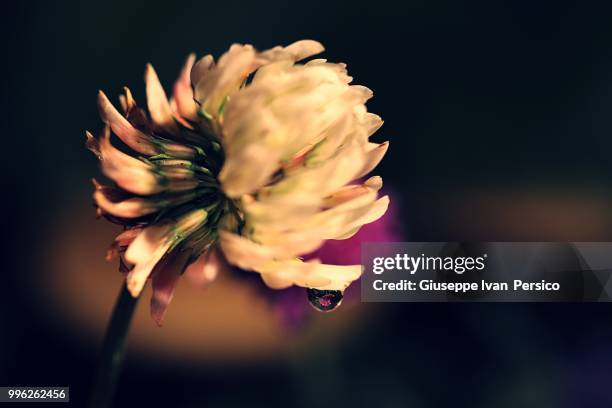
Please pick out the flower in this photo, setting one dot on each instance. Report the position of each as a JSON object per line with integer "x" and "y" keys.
{"x": 250, "y": 163}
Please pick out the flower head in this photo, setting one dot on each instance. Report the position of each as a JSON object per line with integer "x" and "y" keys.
{"x": 250, "y": 162}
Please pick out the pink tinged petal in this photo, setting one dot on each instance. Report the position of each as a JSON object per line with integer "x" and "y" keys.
{"x": 374, "y": 183}
{"x": 206, "y": 268}
{"x": 123, "y": 102}
{"x": 182, "y": 96}
{"x": 92, "y": 144}
{"x": 178, "y": 117}
{"x": 201, "y": 68}
{"x": 153, "y": 243}
{"x": 144, "y": 253}
{"x": 115, "y": 203}
{"x": 122, "y": 241}
{"x": 136, "y": 116}
{"x": 372, "y": 123}
{"x": 158, "y": 236}
{"x": 351, "y": 192}
{"x": 157, "y": 102}
{"x": 323, "y": 179}
{"x": 137, "y": 277}
{"x": 127, "y": 100}
{"x": 131, "y": 136}
{"x": 134, "y": 175}
{"x": 163, "y": 281}
{"x": 130, "y": 208}
{"x": 128, "y": 172}
{"x": 298, "y": 159}
{"x": 178, "y": 150}
{"x": 128, "y": 236}
{"x": 374, "y": 155}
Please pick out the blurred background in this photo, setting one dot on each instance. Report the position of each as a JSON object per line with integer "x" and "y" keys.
{"x": 499, "y": 120}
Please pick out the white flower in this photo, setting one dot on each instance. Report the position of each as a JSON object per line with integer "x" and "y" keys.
{"x": 253, "y": 156}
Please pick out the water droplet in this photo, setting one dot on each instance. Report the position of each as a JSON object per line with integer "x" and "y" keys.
{"x": 324, "y": 300}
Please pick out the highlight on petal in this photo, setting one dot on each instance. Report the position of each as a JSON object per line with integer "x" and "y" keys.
{"x": 201, "y": 68}
{"x": 374, "y": 155}
{"x": 122, "y": 241}
{"x": 91, "y": 143}
{"x": 157, "y": 102}
{"x": 129, "y": 173}
{"x": 350, "y": 192}
{"x": 312, "y": 274}
{"x": 224, "y": 79}
{"x": 295, "y": 52}
{"x": 120, "y": 206}
{"x": 250, "y": 169}
{"x": 182, "y": 103}
{"x": 131, "y": 136}
{"x": 304, "y": 49}
{"x": 144, "y": 262}
{"x": 244, "y": 253}
{"x": 154, "y": 242}
{"x": 206, "y": 268}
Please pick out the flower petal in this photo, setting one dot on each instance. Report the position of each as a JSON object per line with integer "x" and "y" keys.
{"x": 304, "y": 49}
{"x": 244, "y": 253}
{"x": 138, "y": 276}
{"x": 375, "y": 212}
{"x": 157, "y": 102}
{"x": 182, "y": 97}
{"x": 295, "y": 52}
{"x": 224, "y": 79}
{"x": 147, "y": 242}
{"x": 131, "y": 136}
{"x": 351, "y": 192}
{"x": 201, "y": 68}
{"x": 206, "y": 268}
{"x": 91, "y": 143}
{"x": 247, "y": 170}
{"x": 154, "y": 242}
{"x": 312, "y": 274}
{"x": 126, "y": 208}
{"x": 128, "y": 172}
{"x": 122, "y": 241}
{"x": 163, "y": 281}
{"x": 374, "y": 154}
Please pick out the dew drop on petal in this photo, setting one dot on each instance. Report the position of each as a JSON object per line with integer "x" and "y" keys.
{"x": 324, "y": 300}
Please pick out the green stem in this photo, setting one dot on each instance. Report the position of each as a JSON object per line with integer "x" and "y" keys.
{"x": 113, "y": 350}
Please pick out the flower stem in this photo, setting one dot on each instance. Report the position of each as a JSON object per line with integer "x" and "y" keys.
{"x": 113, "y": 350}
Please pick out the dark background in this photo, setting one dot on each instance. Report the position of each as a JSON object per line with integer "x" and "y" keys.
{"x": 499, "y": 120}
